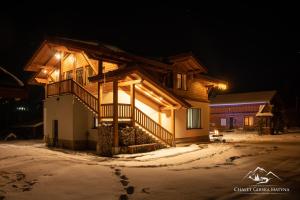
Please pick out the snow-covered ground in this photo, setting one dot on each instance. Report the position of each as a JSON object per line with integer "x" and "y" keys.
{"x": 29, "y": 170}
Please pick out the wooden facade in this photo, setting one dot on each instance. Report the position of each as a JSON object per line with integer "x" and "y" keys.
{"x": 118, "y": 87}
{"x": 246, "y": 111}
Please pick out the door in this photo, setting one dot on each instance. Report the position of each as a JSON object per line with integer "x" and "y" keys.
{"x": 79, "y": 75}
{"x": 55, "y": 132}
{"x": 230, "y": 122}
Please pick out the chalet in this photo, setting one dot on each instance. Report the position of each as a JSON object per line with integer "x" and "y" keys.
{"x": 101, "y": 97}
{"x": 246, "y": 111}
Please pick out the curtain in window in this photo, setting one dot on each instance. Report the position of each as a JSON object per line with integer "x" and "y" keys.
{"x": 194, "y": 118}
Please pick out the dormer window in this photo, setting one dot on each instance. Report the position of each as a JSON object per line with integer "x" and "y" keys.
{"x": 181, "y": 81}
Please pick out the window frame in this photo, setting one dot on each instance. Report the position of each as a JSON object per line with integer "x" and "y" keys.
{"x": 179, "y": 77}
{"x": 184, "y": 81}
{"x": 247, "y": 119}
{"x": 187, "y": 119}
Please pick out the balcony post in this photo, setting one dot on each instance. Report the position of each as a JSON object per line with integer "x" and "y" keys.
{"x": 132, "y": 103}
{"x": 100, "y": 66}
{"x": 115, "y": 117}
{"x": 173, "y": 125}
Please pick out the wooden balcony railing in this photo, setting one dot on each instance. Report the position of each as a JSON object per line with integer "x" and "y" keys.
{"x": 124, "y": 111}
{"x": 70, "y": 86}
{"x": 153, "y": 127}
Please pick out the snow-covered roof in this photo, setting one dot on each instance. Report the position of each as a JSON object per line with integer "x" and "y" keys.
{"x": 249, "y": 97}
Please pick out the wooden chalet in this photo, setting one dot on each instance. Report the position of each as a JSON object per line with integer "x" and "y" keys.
{"x": 92, "y": 88}
{"x": 245, "y": 111}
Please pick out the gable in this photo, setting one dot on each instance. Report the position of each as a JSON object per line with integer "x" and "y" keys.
{"x": 187, "y": 63}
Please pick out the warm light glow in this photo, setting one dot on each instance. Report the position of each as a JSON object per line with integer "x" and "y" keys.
{"x": 56, "y": 73}
{"x": 71, "y": 58}
{"x": 222, "y": 86}
{"x": 216, "y": 131}
{"x": 44, "y": 71}
{"x": 57, "y": 56}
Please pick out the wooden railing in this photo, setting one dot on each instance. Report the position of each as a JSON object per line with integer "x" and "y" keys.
{"x": 124, "y": 111}
{"x": 153, "y": 127}
{"x": 70, "y": 86}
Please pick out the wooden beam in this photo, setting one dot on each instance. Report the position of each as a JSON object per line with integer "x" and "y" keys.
{"x": 173, "y": 122}
{"x": 89, "y": 62}
{"x": 59, "y": 74}
{"x": 115, "y": 113}
{"x": 100, "y": 89}
{"x": 169, "y": 108}
{"x": 132, "y": 103}
{"x": 126, "y": 83}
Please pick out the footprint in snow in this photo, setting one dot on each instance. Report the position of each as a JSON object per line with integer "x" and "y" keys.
{"x": 124, "y": 181}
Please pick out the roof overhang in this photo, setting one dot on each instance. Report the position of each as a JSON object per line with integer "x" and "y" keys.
{"x": 147, "y": 84}
{"x": 189, "y": 62}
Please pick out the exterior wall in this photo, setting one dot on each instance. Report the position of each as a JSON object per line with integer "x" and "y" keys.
{"x": 195, "y": 90}
{"x": 74, "y": 121}
{"x": 237, "y": 112}
{"x": 181, "y": 120}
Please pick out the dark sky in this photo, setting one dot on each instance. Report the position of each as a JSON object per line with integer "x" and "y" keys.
{"x": 252, "y": 46}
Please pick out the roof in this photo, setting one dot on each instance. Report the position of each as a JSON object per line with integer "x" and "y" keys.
{"x": 11, "y": 86}
{"x": 189, "y": 61}
{"x": 94, "y": 49}
{"x": 249, "y": 97}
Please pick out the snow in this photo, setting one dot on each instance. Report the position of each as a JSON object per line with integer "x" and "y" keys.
{"x": 29, "y": 170}
{"x": 239, "y": 136}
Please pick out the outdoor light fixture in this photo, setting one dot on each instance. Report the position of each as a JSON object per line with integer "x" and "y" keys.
{"x": 222, "y": 86}
{"x": 57, "y": 56}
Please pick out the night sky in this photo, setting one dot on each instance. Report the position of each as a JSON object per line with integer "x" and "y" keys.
{"x": 252, "y": 46}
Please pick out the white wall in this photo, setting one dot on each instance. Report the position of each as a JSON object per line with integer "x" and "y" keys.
{"x": 74, "y": 118}
{"x": 61, "y": 109}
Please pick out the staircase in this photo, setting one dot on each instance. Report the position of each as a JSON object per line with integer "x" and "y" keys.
{"x": 140, "y": 119}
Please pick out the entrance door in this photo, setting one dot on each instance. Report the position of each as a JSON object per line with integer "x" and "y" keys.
{"x": 55, "y": 132}
{"x": 230, "y": 122}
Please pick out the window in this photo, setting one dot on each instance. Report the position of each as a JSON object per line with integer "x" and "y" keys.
{"x": 69, "y": 74}
{"x": 89, "y": 73}
{"x": 223, "y": 122}
{"x": 179, "y": 81}
{"x": 79, "y": 75}
{"x": 182, "y": 81}
{"x": 184, "y": 86}
{"x": 248, "y": 121}
{"x": 193, "y": 118}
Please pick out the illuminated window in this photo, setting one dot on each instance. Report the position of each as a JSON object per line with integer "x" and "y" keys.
{"x": 248, "y": 120}
{"x": 223, "y": 122}
{"x": 193, "y": 118}
{"x": 89, "y": 73}
{"x": 69, "y": 74}
{"x": 184, "y": 85}
{"x": 79, "y": 75}
{"x": 179, "y": 81}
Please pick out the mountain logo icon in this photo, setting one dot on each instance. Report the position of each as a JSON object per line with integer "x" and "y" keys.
{"x": 261, "y": 176}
